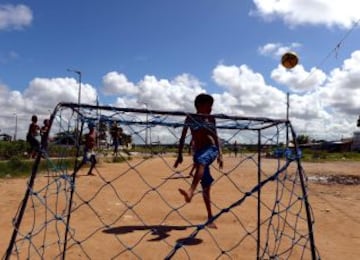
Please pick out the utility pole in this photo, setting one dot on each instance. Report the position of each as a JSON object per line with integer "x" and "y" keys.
{"x": 78, "y": 72}
{"x": 16, "y": 126}
{"x": 146, "y": 129}
{"x": 287, "y": 118}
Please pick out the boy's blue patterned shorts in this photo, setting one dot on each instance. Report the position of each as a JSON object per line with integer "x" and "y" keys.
{"x": 205, "y": 157}
{"x": 89, "y": 155}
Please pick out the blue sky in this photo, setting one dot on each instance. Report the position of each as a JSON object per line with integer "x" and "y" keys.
{"x": 163, "y": 53}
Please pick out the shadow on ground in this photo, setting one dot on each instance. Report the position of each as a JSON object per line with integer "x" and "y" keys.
{"x": 159, "y": 231}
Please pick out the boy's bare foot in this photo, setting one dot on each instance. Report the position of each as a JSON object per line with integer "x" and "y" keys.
{"x": 91, "y": 174}
{"x": 212, "y": 225}
{"x": 186, "y": 195}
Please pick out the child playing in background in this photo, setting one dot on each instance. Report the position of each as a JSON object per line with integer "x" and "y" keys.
{"x": 33, "y": 136}
{"x": 89, "y": 153}
{"x": 44, "y": 132}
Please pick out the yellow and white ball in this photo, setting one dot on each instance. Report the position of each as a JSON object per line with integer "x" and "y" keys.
{"x": 289, "y": 60}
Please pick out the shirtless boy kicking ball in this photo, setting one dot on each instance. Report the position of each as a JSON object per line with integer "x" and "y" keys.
{"x": 206, "y": 149}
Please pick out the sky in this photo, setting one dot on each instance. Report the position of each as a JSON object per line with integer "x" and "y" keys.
{"x": 160, "y": 54}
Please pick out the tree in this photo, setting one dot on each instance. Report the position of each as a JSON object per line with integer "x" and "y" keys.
{"x": 66, "y": 137}
{"x": 102, "y": 128}
{"x": 302, "y": 139}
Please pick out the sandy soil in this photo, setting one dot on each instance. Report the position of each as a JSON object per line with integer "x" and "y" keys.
{"x": 134, "y": 210}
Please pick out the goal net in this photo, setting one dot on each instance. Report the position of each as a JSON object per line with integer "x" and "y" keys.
{"x": 131, "y": 206}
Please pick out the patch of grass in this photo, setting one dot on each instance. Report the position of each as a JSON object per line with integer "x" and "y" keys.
{"x": 18, "y": 167}
{"x": 15, "y": 167}
{"x": 120, "y": 159}
{"x": 116, "y": 159}
{"x": 323, "y": 156}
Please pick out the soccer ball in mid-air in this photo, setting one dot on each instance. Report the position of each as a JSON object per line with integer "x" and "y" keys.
{"x": 289, "y": 60}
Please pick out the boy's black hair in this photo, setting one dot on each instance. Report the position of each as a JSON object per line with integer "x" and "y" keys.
{"x": 34, "y": 118}
{"x": 203, "y": 99}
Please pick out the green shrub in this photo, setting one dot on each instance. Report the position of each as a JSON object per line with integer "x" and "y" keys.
{"x": 10, "y": 149}
{"x": 318, "y": 155}
{"x": 119, "y": 159}
{"x": 18, "y": 167}
{"x": 15, "y": 167}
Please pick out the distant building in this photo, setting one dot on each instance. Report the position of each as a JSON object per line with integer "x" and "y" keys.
{"x": 356, "y": 141}
{"x": 344, "y": 145}
{"x": 5, "y": 137}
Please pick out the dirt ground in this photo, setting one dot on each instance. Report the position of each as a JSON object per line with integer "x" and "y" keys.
{"x": 133, "y": 210}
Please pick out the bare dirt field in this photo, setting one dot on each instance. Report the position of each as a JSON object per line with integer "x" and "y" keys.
{"x": 133, "y": 210}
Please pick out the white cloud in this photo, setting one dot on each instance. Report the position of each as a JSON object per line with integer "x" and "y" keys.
{"x": 3, "y": 89}
{"x": 43, "y": 94}
{"x": 40, "y": 98}
{"x": 297, "y": 79}
{"x": 276, "y": 50}
{"x": 247, "y": 94}
{"x": 253, "y": 95}
{"x": 8, "y": 57}
{"x": 153, "y": 93}
{"x": 307, "y": 107}
{"x": 342, "y": 92}
{"x": 341, "y": 13}
{"x": 128, "y": 102}
{"x": 117, "y": 84}
{"x": 322, "y": 105}
{"x": 15, "y": 16}
{"x": 330, "y": 111}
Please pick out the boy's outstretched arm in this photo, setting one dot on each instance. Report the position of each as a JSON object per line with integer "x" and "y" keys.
{"x": 181, "y": 146}
{"x": 217, "y": 143}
